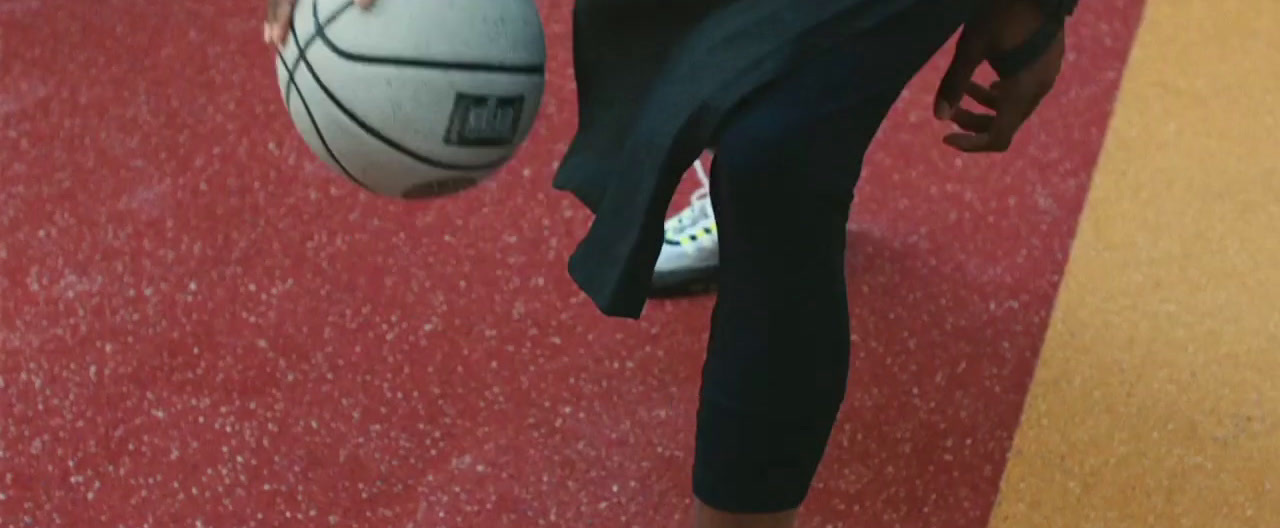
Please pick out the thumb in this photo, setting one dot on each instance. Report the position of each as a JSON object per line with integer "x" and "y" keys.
{"x": 968, "y": 57}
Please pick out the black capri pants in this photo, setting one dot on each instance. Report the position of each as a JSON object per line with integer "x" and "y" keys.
{"x": 781, "y": 184}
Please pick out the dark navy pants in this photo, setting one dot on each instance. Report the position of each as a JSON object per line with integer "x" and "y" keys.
{"x": 781, "y": 184}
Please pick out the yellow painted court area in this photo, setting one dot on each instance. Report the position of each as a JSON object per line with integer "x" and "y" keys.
{"x": 1157, "y": 399}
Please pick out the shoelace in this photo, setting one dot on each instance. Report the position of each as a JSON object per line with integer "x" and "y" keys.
{"x": 699, "y": 204}
{"x": 699, "y": 209}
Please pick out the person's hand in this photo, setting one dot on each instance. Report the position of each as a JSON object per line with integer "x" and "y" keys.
{"x": 280, "y": 17}
{"x": 1003, "y": 27}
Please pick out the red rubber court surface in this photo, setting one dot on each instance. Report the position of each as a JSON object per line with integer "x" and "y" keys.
{"x": 200, "y": 325}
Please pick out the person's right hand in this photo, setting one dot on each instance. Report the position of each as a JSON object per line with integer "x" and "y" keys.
{"x": 1003, "y": 26}
{"x": 280, "y": 16}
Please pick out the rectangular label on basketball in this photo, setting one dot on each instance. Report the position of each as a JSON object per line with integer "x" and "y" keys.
{"x": 484, "y": 120}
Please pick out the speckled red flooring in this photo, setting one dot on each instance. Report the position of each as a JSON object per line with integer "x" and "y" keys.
{"x": 202, "y": 326}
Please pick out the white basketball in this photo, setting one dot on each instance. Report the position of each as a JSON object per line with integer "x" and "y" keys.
{"x": 414, "y": 98}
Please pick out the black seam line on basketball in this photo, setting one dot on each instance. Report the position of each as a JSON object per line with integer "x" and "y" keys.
{"x": 390, "y": 142}
{"x": 293, "y": 30}
{"x": 528, "y": 69}
{"x": 293, "y": 85}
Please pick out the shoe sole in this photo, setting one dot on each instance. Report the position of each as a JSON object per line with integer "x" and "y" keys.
{"x": 683, "y": 282}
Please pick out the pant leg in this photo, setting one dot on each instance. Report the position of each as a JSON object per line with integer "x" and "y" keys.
{"x": 782, "y": 183}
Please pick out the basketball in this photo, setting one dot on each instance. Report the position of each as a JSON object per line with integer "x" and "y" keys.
{"x": 414, "y": 98}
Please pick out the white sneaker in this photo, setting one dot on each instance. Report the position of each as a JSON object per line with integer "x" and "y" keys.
{"x": 690, "y": 249}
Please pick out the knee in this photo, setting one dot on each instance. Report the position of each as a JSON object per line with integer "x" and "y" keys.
{"x": 779, "y": 389}
{"x": 757, "y": 142}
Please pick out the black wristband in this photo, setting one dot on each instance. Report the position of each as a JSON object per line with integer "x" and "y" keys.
{"x": 1012, "y": 62}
